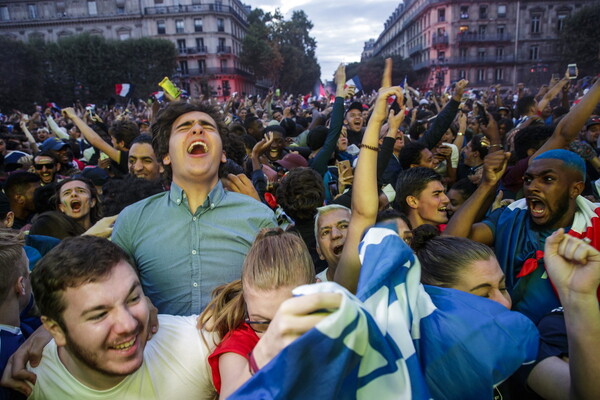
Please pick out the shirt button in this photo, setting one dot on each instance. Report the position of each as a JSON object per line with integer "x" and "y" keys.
{"x": 194, "y": 218}
{"x": 178, "y": 201}
{"x": 212, "y": 205}
{"x": 195, "y": 284}
{"x": 193, "y": 251}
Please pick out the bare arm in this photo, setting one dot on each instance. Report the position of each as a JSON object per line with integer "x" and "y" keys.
{"x": 574, "y": 268}
{"x": 365, "y": 201}
{"x": 568, "y": 128}
{"x": 463, "y": 222}
{"x": 91, "y": 136}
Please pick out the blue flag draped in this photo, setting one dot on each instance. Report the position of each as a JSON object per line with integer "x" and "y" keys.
{"x": 397, "y": 339}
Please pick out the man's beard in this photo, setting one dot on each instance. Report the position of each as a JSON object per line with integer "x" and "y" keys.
{"x": 562, "y": 208}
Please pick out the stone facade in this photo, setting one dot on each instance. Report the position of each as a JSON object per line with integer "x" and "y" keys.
{"x": 207, "y": 34}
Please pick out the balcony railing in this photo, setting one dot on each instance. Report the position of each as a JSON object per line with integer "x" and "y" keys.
{"x": 195, "y": 9}
{"x": 223, "y": 49}
{"x": 415, "y": 49}
{"x": 471, "y": 37}
{"x": 195, "y": 50}
{"x": 439, "y": 40}
{"x": 505, "y": 59}
{"x": 191, "y": 72}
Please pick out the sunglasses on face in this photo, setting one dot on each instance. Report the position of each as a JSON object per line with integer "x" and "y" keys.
{"x": 40, "y": 167}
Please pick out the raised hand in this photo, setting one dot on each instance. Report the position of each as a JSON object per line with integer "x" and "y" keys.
{"x": 572, "y": 264}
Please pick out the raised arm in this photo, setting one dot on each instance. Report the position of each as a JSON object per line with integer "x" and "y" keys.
{"x": 574, "y": 268}
{"x": 91, "y": 136}
{"x": 464, "y": 222}
{"x": 365, "y": 201}
{"x": 568, "y": 128}
{"x": 444, "y": 119}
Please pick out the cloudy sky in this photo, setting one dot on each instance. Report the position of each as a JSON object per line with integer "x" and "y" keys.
{"x": 340, "y": 26}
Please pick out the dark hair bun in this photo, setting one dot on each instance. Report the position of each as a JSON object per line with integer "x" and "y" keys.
{"x": 423, "y": 234}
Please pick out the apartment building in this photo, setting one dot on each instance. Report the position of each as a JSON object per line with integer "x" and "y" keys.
{"x": 207, "y": 34}
{"x": 488, "y": 43}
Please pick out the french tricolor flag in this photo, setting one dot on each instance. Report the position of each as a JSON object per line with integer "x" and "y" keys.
{"x": 354, "y": 81}
{"x": 123, "y": 89}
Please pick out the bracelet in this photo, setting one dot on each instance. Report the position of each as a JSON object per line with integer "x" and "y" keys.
{"x": 496, "y": 145}
{"x": 252, "y": 365}
{"x": 366, "y": 146}
{"x": 459, "y": 134}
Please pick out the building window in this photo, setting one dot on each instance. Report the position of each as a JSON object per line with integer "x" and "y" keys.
{"x": 499, "y": 53}
{"x": 223, "y": 65}
{"x": 181, "y": 45}
{"x": 92, "y": 8}
{"x": 500, "y": 29}
{"x": 226, "y": 88}
{"x": 202, "y": 66}
{"x": 441, "y": 56}
{"x": 441, "y": 15}
{"x": 535, "y": 23}
{"x": 220, "y": 25}
{"x": 183, "y": 67}
{"x": 124, "y": 34}
{"x": 160, "y": 27}
{"x": 221, "y": 46}
{"x": 463, "y": 29}
{"x": 464, "y": 12}
{"x": 200, "y": 44}
{"x": 481, "y": 54}
{"x": 480, "y": 75}
{"x": 179, "y": 26}
{"x": 483, "y": 12}
{"x": 462, "y": 53}
{"x": 198, "y": 25}
{"x": 120, "y": 10}
{"x": 32, "y": 11}
{"x": 560, "y": 24}
{"x": 534, "y": 52}
{"x": 4, "y": 14}
{"x": 481, "y": 31}
{"x": 498, "y": 75}
{"x": 462, "y": 74}
{"x": 502, "y": 11}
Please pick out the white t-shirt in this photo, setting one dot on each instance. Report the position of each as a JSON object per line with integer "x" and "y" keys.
{"x": 175, "y": 367}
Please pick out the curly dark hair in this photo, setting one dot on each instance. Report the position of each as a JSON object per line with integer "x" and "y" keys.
{"x": 301, "y": 192}
{"x": 161, "y": 127}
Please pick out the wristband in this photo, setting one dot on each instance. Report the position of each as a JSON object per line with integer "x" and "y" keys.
{"x": 252, "y": 365}
{"x": 459, "y": 134}
{"x": 366, "y": 146}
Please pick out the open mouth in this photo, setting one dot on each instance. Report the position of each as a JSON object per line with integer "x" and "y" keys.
{"x": 337, "y": 250}
{"x": 537, "y": 208}
{"x": 197, "y": 148}
{"x": 442, "y": 209}
{"x": 76, "y": 205}
{"x": 125, "y": 345}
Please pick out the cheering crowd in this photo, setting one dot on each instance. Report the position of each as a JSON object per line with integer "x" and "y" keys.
{"x": 401, "y": 244}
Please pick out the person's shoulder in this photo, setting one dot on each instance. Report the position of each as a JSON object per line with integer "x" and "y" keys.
{"x": 247, "y": 202}
{"x": 140, "y": 206}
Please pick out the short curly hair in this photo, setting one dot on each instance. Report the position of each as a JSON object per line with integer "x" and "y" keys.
{"x": 300, "y": 193}
{"x": 161, "y": 127}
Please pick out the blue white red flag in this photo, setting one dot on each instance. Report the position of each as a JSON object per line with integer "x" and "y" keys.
{"x": 398, "y": 339}
{"x": 354, "y": 81}
{"x": 123, "y": 89}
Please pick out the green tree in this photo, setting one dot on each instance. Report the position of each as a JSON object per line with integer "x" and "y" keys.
{"x": 259, "y": 51}
{"x": 300, "y": 69}
{"x": 370, "y": 71}
{"x": 21, "y": 75}
{"x": 282, "y": 51}
{"x": 578, "y": 40}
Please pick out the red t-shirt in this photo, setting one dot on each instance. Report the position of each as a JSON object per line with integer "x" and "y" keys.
{"x": 239, "y": 341}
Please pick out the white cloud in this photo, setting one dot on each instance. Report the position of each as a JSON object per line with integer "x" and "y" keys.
{"x": 340, "y": 27}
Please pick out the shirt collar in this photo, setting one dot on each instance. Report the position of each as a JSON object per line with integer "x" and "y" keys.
{"x": 215, "y": 196}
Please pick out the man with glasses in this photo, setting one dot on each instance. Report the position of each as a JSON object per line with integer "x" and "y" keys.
{"x": 46, "y": 167}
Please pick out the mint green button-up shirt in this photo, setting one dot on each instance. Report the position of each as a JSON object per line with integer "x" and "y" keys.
{"x": 182, "y": 256}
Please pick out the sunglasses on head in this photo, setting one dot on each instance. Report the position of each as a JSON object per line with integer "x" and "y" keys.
{"x": 39, "y": 167}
